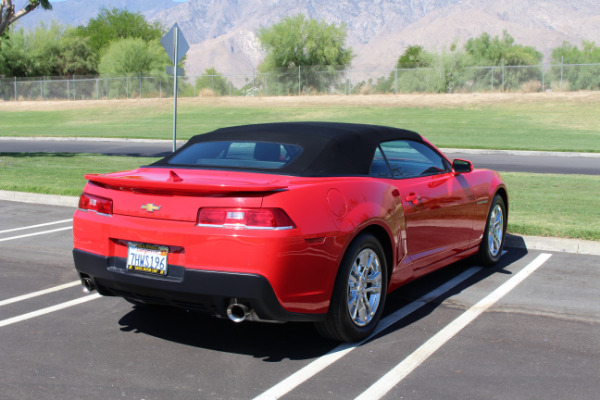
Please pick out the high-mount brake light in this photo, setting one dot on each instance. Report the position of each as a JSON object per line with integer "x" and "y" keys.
{"x": 248, "y": 218}
{"x": 99, "y": 204}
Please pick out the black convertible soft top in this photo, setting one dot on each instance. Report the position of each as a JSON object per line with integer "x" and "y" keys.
{"x": 328, "y": 148}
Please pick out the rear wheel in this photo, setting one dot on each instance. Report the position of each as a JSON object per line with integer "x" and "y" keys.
{"x": 359, "y": 292}
{"x": 492, "y": 244}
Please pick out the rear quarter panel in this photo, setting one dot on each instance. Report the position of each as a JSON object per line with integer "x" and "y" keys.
{"x": 339, "y": 209}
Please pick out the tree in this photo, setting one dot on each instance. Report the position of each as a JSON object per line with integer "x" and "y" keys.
{"x": 568, "y": 53}
{"x": 29, "y": 53}
{"x": 42, "y": 45}
{"x": 586, "y": 78}
{"x": 8, "y": 15}
{"x": 133, "y": 55}
{"x": 111, "y": 25}
{"x": 15, "y": 60}
{"x": 74, "y": 57}
{"x": 503, "y": 52}
{"x": 214, "y": 81}
{"x": 46, "y": 51}
{"x": 487, "y": 51}
{"x": 55, "y": 50}
{"x": 413, "y": 57}
{"x": 130, "y": 58}
{"x": 406, "y": 77}
{"x": 448, "y": 74}
{"x": 299, "y": 42}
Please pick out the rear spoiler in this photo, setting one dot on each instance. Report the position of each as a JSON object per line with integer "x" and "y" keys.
{"x": 161, "y": 180}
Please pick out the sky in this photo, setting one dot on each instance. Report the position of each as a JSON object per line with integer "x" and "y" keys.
{"x": 60, "y": 1}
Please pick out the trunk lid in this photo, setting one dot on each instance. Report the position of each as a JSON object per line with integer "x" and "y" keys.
{"x": 177, "y": 194}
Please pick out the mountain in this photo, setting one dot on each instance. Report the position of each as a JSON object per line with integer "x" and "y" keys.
{"x": 222, "y": 33}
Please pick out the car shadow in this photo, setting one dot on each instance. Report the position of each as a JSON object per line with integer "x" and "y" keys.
{"x": 270, "y": 342}
{"x": 294, "y": 341}
{"x": 418, "y": 288}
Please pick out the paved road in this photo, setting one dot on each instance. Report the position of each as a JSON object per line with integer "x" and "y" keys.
{"x": 158, "y": 148}
{"x": 539, "y": 340}
{"x": 537, "y": 162}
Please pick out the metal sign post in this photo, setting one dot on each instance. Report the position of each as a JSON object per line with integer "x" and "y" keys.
{"x": 175, "y": 90}
{"x": 176, "y": 46}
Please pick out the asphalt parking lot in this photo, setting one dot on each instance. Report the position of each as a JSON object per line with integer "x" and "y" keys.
{"x": 527, "y": 328}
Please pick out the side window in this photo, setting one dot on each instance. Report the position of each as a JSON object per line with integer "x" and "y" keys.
{"x": 379, "y": 166}
{"x": 409, "y": 159}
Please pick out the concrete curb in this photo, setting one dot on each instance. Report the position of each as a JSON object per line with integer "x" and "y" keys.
{"x": 35, "y": 198}
{"x": 575, "y": 246}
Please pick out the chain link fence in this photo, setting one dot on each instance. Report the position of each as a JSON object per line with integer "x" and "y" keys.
{"x": 310, "y": 81}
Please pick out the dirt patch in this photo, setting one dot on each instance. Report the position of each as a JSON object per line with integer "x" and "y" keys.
{"x": 401, "y": 100}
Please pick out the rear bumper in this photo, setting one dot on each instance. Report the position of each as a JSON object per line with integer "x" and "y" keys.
{"x": 207, "y": 291}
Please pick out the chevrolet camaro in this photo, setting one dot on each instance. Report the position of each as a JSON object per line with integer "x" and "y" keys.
{"x": 304, "y": 221}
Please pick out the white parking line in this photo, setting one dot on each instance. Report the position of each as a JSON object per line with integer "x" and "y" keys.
{"x": 340, "y": 351}
{"x": 36, "y": 226}
{"x": 48, "y": 310}
{"x": 410, "y": 363}
{"x": 35, "y": 234}
{"x": 39, "y": 293}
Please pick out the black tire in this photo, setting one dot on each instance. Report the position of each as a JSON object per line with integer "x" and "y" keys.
{"x": 351, "y": 321}
{"x": 494, "y": 234}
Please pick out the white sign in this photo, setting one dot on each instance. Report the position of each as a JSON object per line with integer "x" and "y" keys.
{"x": 175, "y": 44}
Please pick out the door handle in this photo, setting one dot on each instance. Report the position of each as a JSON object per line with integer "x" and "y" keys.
{"x": 413, "y": 198}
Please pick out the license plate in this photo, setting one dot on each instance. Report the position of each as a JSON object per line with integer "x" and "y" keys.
{"x": 147, "y": 258}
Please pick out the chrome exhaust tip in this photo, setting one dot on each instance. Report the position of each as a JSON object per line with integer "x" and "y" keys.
{"x": 87, "y": 285}
{"x": 237, "y": 312}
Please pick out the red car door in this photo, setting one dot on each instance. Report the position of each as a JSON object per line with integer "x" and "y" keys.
{"x": 439, "y": 212}
{"x": 439, "y": 205}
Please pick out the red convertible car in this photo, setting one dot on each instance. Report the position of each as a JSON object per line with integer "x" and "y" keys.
{"x": 307, "y": 221}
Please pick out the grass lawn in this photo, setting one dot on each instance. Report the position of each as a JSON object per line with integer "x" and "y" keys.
{"x": 554, "y": 205}
{"x": 551, "y": 122}
{"x": 540, "y": 204}
{"x": 58, "y": 173}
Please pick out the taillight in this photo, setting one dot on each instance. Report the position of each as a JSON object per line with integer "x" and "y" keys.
{"x": 250, "y": 218}
{"x": 99, "y": 204}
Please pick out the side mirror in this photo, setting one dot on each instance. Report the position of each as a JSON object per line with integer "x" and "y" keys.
{"x": 462, "y": 166}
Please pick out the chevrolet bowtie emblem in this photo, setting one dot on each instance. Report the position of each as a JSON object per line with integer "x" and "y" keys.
{"x": 150, "y": 207}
